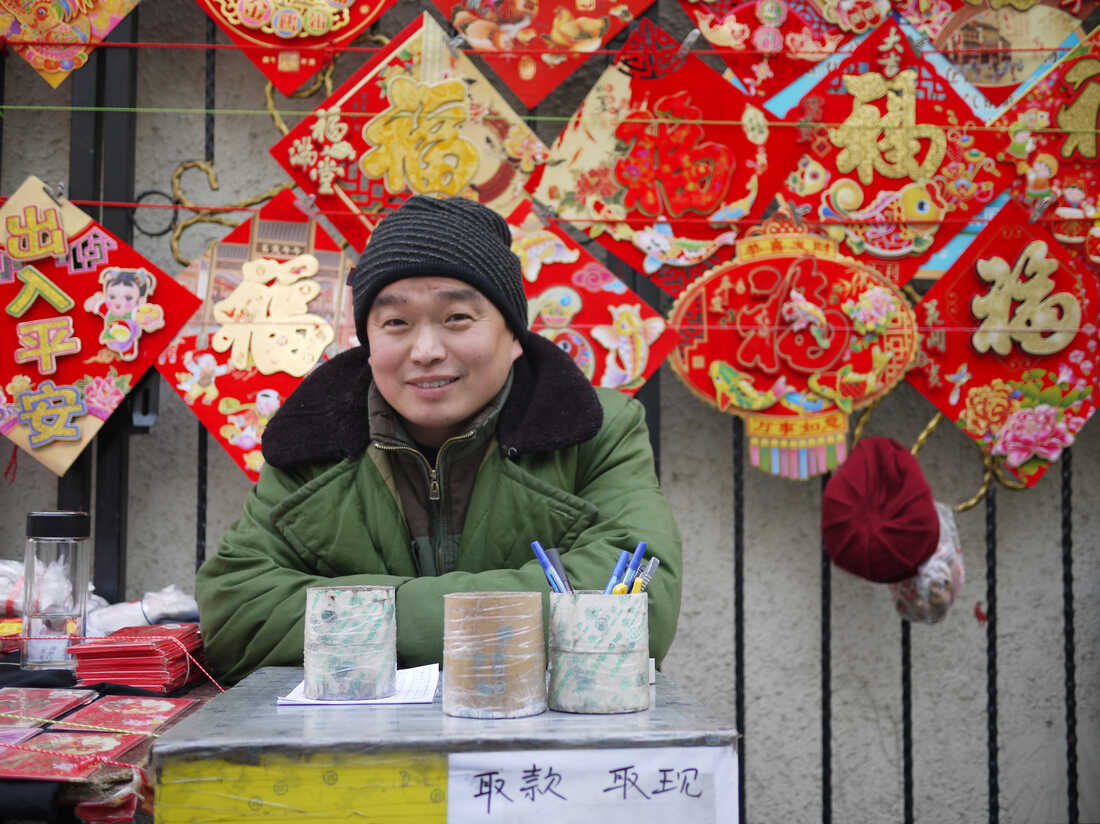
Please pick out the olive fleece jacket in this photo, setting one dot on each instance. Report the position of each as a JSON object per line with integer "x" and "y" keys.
{"x": 570, "y": 465}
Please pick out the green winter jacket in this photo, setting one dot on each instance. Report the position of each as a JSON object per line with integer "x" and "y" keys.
{"x": 571, "y": 466}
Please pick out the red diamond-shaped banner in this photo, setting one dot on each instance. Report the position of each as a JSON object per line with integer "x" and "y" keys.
{"x": 85, "y": 315}
{"x": 888, "y": 157}
{"x": 663, "y": 162}
{"x": 417, "y": 119}
{"x": 274, "y": 304}
{"x": 1010, "y": 344}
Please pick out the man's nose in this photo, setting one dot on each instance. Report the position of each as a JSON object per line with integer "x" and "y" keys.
{"x": 427, "y": 346}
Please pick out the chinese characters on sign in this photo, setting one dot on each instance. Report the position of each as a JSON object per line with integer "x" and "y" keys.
{"x": 1011, "y": 350}
{"x": 274, "y": 305}
{"x": 84, "y": 317}
{"x": 635, "y": 786}
{"x": 792, "y": 336}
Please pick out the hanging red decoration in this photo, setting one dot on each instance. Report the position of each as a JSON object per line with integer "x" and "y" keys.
{"x": 792, "y": 336}
{"x": 888, "y": 156}
{"x": 657, "y": 165}
{"x": 55, "y": 38}
{"x": 616, "y": 339}
{"x": 274, "y": 305}
{"x": 767, "y": 44}
{"x": 1010, "y": 345}
{"x": 85, "y": 315}
{"x": 417, "y": 119}
{"x": 1001, "y": 48}
{"x": 1049, "y": 142}
{"x": 534, "y": 46}
{"x": 292, "y": 40}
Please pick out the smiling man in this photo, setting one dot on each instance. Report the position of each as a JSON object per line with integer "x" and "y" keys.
{"x": 429, "y": 457}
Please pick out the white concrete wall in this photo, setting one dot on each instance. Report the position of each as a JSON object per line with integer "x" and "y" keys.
{"x": 782, "y": 540}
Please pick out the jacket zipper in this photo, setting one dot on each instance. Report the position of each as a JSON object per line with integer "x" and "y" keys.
{"x": 435, "y": 494}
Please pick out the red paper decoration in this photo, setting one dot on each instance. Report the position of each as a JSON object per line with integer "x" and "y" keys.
{"x": 534, "y": 46}
{"x": 768, "y": 44}
{"x": 292, "y": 40}
{"x": 889, "y": 157}
{"x": 274, "y": 304}
{"x": 998, "y": 47}
{"x": 85, "y": 315}
{"x": 792, "y": 336}
{"x": 1010, "y": 345}
{"x": 1049, "y": 142}
{"x": 662, "y": 163}
{"x": 418, "y": 118}
{"x": 616, "y": 339}
{"x": 57, "y": 37}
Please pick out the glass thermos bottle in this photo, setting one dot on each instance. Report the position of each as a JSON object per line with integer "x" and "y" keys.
{"x": 56, "y": 570}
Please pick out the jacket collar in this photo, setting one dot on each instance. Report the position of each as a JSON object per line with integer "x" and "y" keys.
{"x": 551, "y": 406}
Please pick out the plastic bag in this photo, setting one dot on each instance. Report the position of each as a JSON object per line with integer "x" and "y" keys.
{"x": 928, "y": 595}
{"x": 168, "y": 604}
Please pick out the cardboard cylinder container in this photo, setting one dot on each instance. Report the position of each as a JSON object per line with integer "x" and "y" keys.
{"x": 350, "y": 650}
{"x": 599, "y": 652}
{"x": 494, "y": 658}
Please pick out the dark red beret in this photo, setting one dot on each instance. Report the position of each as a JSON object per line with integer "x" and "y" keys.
{"x": 878, "y": 519}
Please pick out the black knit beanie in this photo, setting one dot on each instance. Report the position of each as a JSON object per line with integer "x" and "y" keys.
{"x": 456, "y": 238}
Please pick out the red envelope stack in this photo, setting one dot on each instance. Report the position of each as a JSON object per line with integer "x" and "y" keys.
{"x": 160, "y": 657}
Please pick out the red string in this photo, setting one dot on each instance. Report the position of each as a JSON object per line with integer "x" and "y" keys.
{"x": 745, "y": 221}
{"x": 329, "y": 49}
{"x": 13, "y": 465}
{"x": 114, "y": 637}
{"x": 82, "y": 758}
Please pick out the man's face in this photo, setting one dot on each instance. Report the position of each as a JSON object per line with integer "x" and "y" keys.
{"x": 439, "y": 351}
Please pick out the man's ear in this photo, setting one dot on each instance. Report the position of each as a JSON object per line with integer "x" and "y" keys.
{"x": 517, "y": 347}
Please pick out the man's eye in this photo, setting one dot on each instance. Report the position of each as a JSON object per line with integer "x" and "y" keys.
{"x": 458, "y": 317}
{"x": 391, "y": 323}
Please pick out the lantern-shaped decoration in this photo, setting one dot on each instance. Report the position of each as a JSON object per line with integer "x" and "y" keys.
{"x": 792, "y": 336}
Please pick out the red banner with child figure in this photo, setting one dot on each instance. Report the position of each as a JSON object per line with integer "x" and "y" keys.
{"x": 85, "y": 315}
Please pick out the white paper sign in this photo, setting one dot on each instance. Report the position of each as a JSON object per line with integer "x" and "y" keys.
{"x": 414, "y": 686}
{"x": 633, "y": 786}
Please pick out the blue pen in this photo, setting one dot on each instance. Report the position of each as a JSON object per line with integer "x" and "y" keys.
{"x": 635, "y": 562}
{"x": 548, "y": 568}
{"x": 620, "y": 567}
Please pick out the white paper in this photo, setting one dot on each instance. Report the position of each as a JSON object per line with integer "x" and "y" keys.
{"x": 414, "y": 686}
{"x": 642, "y": 785}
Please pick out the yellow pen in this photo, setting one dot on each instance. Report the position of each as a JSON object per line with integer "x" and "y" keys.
{"x": 619, "y": 589}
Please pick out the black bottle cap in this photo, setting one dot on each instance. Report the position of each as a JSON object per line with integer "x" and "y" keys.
{"x": 58, "y": 525}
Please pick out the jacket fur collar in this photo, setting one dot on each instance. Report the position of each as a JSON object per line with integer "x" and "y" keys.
{"x": 551, "y": 406}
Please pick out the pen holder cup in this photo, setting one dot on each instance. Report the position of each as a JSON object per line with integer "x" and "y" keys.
{"x": 350, "y": 649}
{"x": 494, "y": 656}
{"x": 599, "y": 652}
